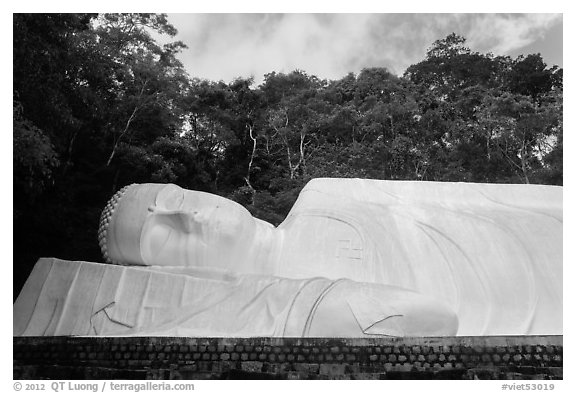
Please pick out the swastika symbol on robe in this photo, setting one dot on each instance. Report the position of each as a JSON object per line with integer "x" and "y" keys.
{"x": 346, "y": 250}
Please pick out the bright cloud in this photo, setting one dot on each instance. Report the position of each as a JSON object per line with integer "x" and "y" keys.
{"x": 225, "y": 46}
{"x": 504, "y": 33}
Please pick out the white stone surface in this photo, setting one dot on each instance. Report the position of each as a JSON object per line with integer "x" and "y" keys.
{"x": 90, "y": 299}
{"x": 489, "y": 253}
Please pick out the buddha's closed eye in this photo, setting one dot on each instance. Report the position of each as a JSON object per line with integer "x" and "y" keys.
{"x": 170, "y": 197}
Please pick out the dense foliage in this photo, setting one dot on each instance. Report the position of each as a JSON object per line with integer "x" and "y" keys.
{"x": 99, "y": 104}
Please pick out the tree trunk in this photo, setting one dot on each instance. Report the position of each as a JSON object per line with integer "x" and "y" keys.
{"x": 302, "y": 161}
{"x": 523, "y": 156}
{"x": 132, "y": 115}
{"x": 247, "y": 178}
{"x": 117, "y": 143}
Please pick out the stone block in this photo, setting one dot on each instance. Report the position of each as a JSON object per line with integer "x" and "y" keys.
{"x": 251, "y": 366}
{"x": 309, "y": 368}
{"x": 332, "y": 369}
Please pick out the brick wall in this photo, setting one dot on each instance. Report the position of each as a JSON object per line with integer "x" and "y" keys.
{"x": 506, "y": 357}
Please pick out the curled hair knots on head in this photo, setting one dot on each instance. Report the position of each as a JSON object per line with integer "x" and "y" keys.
{"x": 105, "y": 219}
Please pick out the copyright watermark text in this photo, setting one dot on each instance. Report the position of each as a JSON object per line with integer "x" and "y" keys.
{"x": 527, "y": 386}
{"x": 103, "y": 386}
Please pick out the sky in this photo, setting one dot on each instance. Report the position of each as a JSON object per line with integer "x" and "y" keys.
{"x": 226, "y": 46}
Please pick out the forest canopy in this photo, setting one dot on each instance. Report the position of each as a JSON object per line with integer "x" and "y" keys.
{"x": 99, "y": 104}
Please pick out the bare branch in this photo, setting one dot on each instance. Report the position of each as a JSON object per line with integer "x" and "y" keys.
{"x": 247, "y": 178}
{"x": 128, "y": 122}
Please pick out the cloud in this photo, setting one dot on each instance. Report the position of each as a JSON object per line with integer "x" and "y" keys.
{"x": 225, "y": 46}
{"x": 503, "y": 33}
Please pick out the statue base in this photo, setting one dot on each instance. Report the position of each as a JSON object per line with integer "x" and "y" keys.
{"x": 76, "y": 298}
{"x": 495, "y": 357}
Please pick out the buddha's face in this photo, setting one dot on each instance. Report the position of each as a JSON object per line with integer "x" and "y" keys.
{"x": 192, "y": 228}
{"x": 165, "y": 225}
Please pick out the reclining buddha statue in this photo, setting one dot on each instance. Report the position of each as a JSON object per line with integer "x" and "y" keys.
{"x": 354, "y": 258}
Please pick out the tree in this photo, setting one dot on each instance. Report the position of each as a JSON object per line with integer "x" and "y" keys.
{"x": 530, "y": 76}
{"x": 294, "y": 117}
{"x": 516, "y": 128}
{"x": 147, "y": 78}
{"x": 82, "y": 89}
{"x": 46, "y": 66}
{"x": 450, "y": 66}
{"x": 34, "y": 159}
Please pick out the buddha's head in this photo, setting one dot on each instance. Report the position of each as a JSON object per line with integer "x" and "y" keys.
{"x": 165, "y": 225}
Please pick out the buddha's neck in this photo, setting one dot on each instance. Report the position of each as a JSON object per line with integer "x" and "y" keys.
{"x": 264, "y": 251}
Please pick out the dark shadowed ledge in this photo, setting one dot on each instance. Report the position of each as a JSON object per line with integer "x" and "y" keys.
{"x": 493, "y": 357}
